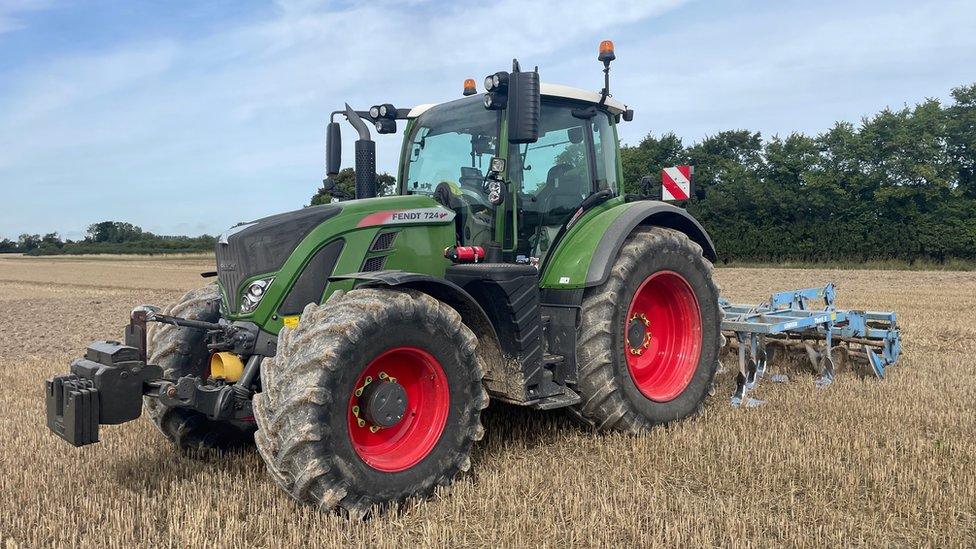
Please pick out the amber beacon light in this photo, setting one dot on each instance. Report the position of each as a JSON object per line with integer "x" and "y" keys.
{"x": 606, "y": 51}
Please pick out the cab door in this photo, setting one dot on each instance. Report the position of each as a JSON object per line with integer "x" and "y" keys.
{"x": 574, "y": 157}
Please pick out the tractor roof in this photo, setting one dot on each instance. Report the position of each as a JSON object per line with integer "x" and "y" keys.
{"x": 550, "y": 90}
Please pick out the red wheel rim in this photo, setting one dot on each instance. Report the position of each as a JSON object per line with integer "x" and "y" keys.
{"x": 405, "y": 444}
{"x": 662, "y": 336}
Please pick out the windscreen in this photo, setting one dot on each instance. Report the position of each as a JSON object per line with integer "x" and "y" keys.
{"x": 451, "y": 143}
{"x": 450, "y": 150}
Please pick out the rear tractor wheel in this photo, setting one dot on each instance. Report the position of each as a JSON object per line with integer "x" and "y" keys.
{"x": 650, "y": 335}
{"x": 375, "y": 397}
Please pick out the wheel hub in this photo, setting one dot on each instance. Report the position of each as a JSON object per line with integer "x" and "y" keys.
{"x": 383, "y": 403}
{"x": 638, "y": 334}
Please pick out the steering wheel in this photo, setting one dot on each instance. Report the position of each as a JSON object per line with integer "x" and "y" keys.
{"x": 447, "y": 194}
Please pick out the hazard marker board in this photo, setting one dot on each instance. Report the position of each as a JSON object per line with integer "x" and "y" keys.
{"x": 676, "y": 182}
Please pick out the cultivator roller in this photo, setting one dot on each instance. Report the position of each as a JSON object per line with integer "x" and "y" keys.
{"x": 806, "y": 320}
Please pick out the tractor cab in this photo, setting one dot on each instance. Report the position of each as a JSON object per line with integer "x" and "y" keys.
{"x": 447, "y": 154}
{"x": 514, "y": 164}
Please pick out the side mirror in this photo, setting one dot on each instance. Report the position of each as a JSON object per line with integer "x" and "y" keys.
{"x": 333, "y": 149}
{"x": 524, "y": 107}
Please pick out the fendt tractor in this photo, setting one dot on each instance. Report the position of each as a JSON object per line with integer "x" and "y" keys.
{"x": 357, "y": 343}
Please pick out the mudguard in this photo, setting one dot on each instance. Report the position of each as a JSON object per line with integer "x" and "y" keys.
{"x": 584, "y": 256}
{"x": 472, "y": 314}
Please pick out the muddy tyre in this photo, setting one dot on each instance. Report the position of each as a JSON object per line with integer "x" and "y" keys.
{"x": 182, "y": 352}
{"x": 375, "y": 397}
{"x": 650, "y": 335}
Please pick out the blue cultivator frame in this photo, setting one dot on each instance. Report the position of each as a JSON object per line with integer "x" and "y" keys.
{"x": 807, "y": 319}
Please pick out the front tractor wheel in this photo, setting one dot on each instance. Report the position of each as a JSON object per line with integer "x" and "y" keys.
{"x": 373, "y": 398}
{"x": 183, "y": 352}
{"x": 650, "y": 334}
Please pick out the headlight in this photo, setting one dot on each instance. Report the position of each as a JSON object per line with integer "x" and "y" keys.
{"x": 497, "y": 164}
{"x": 254, "y": 293}
{"x": 494, "y": 101}
{"x": 374, "y": 111}
{"x": 496, "y": 82}
{"x": 385, "y": 125}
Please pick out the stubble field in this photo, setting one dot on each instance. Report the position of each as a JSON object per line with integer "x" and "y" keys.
{"x": 861, "y": 463}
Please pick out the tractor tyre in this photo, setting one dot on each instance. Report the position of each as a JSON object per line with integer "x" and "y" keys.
{"x": 182, "y": 352}
{"x": 650, "y": 335}
{"x": 375, "y": 397}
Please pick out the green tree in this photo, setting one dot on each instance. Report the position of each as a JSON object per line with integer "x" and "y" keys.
{"x": 900, "y": 184}
{"x": 345, "y": 187}
{"x": 114, "y": 231}
{"x": 28, "y": 242}
{"x": 961, "y": 137}
{"x": 648, "y": 158}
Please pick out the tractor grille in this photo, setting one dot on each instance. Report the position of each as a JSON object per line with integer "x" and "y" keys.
{"x": 263, "y": 246}
{"x": 383, "y": 242}
{"x": 374, "y": 264}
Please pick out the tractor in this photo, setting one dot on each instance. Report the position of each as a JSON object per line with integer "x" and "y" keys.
{"x": 356, "y": 343}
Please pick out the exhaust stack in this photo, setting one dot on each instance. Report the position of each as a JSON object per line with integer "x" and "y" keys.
{"x": 365, "y": 157}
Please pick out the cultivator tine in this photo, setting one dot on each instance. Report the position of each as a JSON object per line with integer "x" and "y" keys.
{"x": 814, "y": 355}
{"x": 741, "y": 377}
{"x": 801, "y": 319}
{"x": 740, "y": 391}
{"x": 749, "y": 370}
{"x": 760, "y": 353}
{"x": 845, "y": 356}
{"x": 827, "y": 372}
{"x": 876, "y": 364}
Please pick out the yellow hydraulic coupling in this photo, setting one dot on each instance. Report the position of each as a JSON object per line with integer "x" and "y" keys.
{"x": 226, "y": 365}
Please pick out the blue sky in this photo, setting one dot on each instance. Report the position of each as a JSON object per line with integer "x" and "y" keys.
{"x": 187, "y": 117}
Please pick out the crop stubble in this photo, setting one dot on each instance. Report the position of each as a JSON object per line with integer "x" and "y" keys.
{"x": 862, "y": 463}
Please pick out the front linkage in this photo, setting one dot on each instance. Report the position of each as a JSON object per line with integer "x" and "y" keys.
{"x": 107, "y": 386}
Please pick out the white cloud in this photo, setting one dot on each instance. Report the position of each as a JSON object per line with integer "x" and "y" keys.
{"x": 784, "y": 68}
{"x": 11, "y": 11}
{"x": 230, "y": 125}
{"x": 241, "y": 112}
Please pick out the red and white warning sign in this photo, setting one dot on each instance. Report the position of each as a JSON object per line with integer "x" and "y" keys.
{"x": 676, "y": 182}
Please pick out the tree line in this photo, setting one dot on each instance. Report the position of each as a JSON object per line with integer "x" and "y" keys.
{"x": 108, "y": 237}
{"x": 899, "y": 185}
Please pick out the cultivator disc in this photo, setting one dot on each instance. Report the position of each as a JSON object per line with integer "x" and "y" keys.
{"x": 807, "y": 321}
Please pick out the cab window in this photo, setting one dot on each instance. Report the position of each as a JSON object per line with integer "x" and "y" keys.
{"x": 574, "y": 157}
{"x": 553, "y": 175}
{"x": 605, "y": 147}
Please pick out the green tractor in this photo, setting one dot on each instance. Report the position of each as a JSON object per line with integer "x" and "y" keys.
{"x": 357, "y": 343}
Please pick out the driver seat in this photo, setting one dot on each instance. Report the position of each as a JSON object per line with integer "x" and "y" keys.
{"x": 564, "y": 194}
